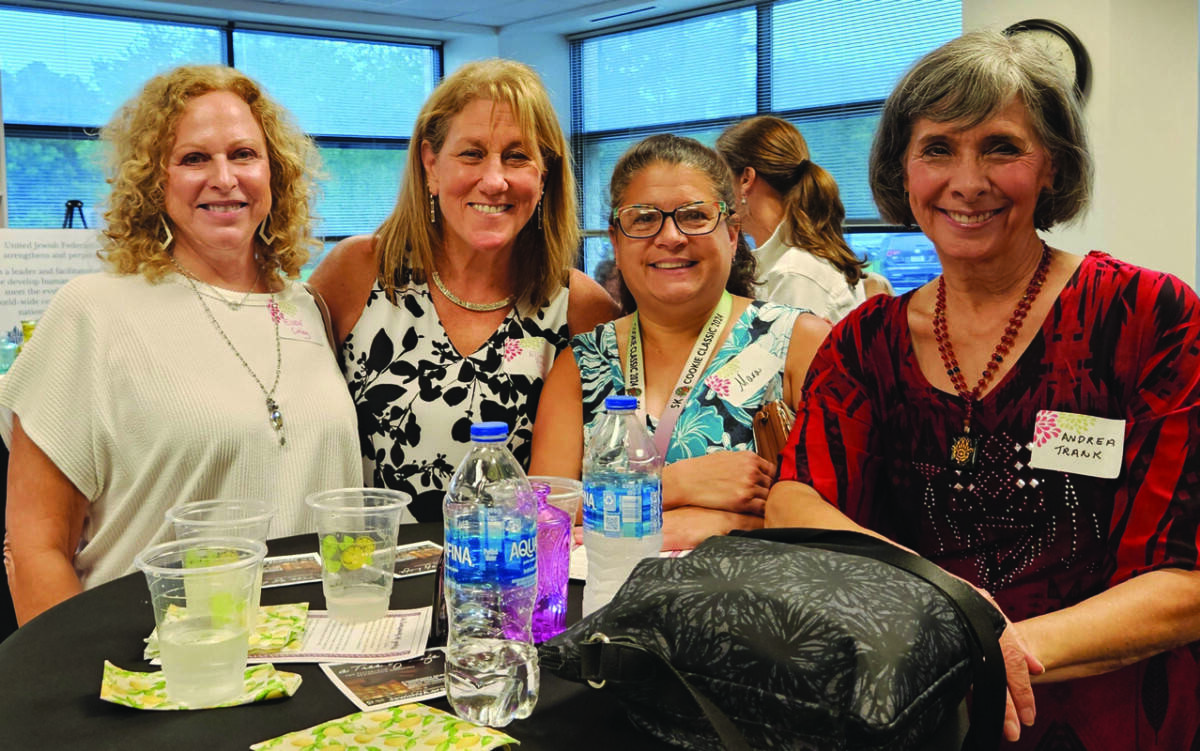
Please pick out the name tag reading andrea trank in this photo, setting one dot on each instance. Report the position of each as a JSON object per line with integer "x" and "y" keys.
{"x": 1080, "y": 444}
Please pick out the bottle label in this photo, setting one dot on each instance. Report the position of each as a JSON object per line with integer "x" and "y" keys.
{"x": 623, "y": 509}
{"x": 503, "y": 554}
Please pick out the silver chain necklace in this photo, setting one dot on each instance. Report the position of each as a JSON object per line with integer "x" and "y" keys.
{"x": 478, "y": 307}
{"x": 235, "y": 304}
{"x": 273, "y": 413}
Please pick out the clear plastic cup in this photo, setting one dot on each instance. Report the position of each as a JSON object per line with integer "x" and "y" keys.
{"x": 202, "y": 590}
{"x": 221, "y": 518}
{"x": 566, "y": 494}
{"x": 356, "y": 534}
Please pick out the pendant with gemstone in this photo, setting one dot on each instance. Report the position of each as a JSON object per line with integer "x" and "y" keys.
{"x": 276, "y": 418}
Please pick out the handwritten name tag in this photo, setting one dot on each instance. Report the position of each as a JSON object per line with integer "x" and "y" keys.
{"x": 531, "y": 356}
{"x": 292, "y": 324}
{"x": 1080, "y": 444}
{"x": 744, "y": 377}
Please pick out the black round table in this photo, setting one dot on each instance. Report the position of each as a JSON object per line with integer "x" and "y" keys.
{"x": 50, "y": 672}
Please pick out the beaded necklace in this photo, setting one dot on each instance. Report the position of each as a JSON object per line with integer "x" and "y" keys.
{"x": 964, "y": 448}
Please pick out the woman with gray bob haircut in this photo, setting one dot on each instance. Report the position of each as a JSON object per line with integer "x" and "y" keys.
{"x": 966, "y": 81}
{"x": 1051, "y": 403}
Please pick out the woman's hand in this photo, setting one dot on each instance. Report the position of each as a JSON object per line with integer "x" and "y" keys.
{"x": 736, "y": 481}
{"x": 686, "y": 527}
{"x": 1020, "y": 665}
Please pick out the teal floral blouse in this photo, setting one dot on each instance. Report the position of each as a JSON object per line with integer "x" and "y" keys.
{"x": 717, "y": 416}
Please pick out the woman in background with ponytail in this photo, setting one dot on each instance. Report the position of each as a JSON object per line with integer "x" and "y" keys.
{"x": 790, "y": 206}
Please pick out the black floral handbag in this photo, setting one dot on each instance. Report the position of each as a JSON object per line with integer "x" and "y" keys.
{"x": 795, "y": 639}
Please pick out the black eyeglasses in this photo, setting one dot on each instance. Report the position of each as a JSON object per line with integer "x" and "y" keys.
{"x": 639, "y": 221}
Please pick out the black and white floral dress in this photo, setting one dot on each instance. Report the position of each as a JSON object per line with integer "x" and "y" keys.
{"x": 416, "y": 395}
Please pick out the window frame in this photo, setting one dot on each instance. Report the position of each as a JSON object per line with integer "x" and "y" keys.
{"x": 228, "y": 28}
{"x": 582, "y": 140}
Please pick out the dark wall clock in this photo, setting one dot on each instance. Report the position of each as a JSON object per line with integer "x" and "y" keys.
{"x": 1062, "y": 45}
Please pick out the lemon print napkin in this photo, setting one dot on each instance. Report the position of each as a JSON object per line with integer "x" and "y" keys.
{"x": 149, "y": 690}
{"x": 279, "y": 628}
{"x": 411, "y": 726}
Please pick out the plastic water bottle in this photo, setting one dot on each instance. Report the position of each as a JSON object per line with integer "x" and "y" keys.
{"x": 622, "y": 499}
{"x": 490, "y": 583}
{"x": 554, "y": 562}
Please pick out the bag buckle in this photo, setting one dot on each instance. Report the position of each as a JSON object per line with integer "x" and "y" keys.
{"x": 595, "y": 638}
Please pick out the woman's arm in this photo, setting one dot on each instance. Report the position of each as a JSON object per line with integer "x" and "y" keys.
{"x": 807, "y": 336}
{"x": 1138, "y": 618}
{"x": 733, "y": 481}
{"x": 588, "y": 305}
{"x": 44, "y": 522}
{"x": 557, "y": 448}
{"x": 344, "y": 278}
{"x": 685, "y": 528}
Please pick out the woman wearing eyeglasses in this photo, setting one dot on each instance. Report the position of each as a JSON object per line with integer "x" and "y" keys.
{"x": 688, "y": 281}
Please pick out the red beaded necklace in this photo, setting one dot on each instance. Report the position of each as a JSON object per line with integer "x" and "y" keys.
{"x": 963, "y": 448}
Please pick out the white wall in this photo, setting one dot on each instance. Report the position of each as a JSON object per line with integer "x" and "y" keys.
{"x": 1142, "y": 118}
{"x": 550, "y": 55}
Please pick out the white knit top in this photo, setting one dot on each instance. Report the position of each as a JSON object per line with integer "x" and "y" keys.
{"x": 129, "y": 389}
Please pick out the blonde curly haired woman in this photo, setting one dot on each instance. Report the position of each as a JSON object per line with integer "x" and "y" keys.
{"x": 195, "y": 367}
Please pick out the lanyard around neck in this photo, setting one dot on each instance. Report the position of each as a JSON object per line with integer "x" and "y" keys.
{"x": 635, "y": 369}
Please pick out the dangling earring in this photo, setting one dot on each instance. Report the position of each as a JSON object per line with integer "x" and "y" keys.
{"x": 432, "y": 209}
{"x": 539, "y": 215}
{"x": 166, "y": 244}
{"x": 263, "y": 229}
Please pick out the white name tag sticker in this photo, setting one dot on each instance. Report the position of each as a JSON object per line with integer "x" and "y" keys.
{"x": 744, "y": 377}
{"x": 531, "y": 356}
{"x": 1080, "y": 444}
{"x": 292, "y": 325}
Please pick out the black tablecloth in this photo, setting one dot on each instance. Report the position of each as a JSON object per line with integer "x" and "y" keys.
{"x": 50, "y": 672}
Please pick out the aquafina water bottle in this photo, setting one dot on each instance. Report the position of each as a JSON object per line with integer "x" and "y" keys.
{"x": 490, "y": 583}
{"x": 622, "y": 499}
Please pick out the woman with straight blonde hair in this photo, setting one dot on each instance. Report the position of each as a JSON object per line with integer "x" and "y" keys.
{"x": 454, "y": 309}
{"x": 790, "y": 206}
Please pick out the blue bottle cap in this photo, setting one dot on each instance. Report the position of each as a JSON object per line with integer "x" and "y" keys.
{"x": 620, "y": 402}
{"x": 489, "y": 432}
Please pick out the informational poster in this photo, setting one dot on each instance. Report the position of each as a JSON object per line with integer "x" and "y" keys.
{"x": 34, "y": 263}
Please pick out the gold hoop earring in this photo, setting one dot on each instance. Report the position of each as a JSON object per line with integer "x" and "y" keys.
{"x": 432, "y": 209}
{"x": 165, "y": 244}
{"x": 263, "y": 229}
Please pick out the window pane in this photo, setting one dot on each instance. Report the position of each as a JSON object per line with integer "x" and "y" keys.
{"x": 595, "y": 250}
{"x": 600, "y": 155}
{"x": 341, "y": 87}
{"x": 360, "y": 187}
{"x": 67, "y": 69}
{"x": 907, "y": 259}
{"x": 825, "y": 53}
{"x": 841, "y": 143}
{"x": 698, "y": 69}
{"x": 44, "y": 173}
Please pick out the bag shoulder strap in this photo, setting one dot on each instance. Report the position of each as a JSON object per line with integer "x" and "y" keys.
{"x": 622, "y": 659}
{"x": 326, "y": 318}
{"x": 991, "y": 679}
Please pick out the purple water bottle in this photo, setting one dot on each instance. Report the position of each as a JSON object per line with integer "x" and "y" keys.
{"x": 554, "y": 558}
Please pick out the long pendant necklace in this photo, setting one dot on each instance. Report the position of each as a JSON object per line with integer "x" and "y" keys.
{"x": 478, "y": 307}
{"x": 274, "y": 415}
{"x": 964, "y": 448}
